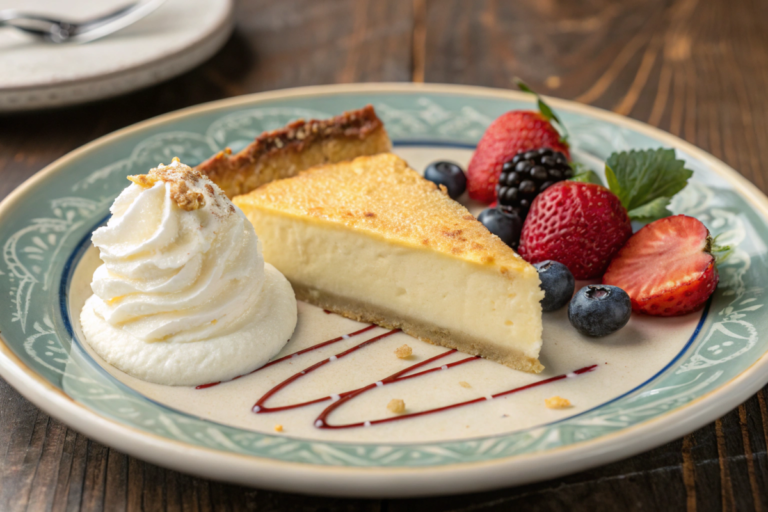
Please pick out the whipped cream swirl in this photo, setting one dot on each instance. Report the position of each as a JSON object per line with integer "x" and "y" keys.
{"x": 181, "y": 263}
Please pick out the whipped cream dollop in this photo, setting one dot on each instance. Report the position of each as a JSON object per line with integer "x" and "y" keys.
{"x": 184, "y": 285}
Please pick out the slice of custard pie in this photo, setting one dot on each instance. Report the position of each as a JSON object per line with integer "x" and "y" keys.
{"x": 372, "y": 240}
{"x": 298, "y": 146}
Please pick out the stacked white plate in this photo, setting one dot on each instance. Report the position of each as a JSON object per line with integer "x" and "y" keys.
{"x": 179, "y": 35}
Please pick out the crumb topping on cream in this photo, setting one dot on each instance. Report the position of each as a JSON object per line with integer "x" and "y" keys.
{"x": 188, "y": 189}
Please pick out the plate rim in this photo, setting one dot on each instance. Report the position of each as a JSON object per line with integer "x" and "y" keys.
{"x": 387, "y": 481}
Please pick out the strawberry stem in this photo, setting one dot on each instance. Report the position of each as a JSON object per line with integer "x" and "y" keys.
{"x": 721, "y": 252}
{"x": 545, "y": 110}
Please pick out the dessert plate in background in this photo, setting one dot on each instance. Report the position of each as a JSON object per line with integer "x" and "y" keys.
{"x": 651, "y": 382}
{"x": 179, "y": 35}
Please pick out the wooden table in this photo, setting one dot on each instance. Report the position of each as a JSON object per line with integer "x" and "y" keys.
{"x": 697, "y": 68}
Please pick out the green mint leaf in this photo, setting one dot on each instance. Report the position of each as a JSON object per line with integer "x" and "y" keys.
{"x": 545, "y": 109}
{"x": 656, "y": 209}
{"x": 588, "y": 176}
{"x": 613, "y": 183}
{"x": 639, "y": 177}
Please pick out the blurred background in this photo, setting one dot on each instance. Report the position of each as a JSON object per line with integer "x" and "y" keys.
{"x": 695, "y": 68}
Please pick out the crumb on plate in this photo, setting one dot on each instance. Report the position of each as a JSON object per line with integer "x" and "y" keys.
{"x": 396, "y": 406}
{"x": 278, "y": 428}
{"x": 464, "y": 384}
{"x": 557, "y": 402}
{"x": 403, "y": 352}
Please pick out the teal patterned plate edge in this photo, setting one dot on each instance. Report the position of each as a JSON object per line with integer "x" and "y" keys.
{"x": 44, "y": 221}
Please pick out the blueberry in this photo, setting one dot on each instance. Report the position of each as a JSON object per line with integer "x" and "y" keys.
{"x": 448, "y": 174}
{"x": 557, "y": 282}
{"x": 504, "y": 224}
{"x": 598, "y": 310}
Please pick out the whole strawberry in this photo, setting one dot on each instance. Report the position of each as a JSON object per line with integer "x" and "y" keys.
{"x": 667, "y": 267}
{"x": 581, "y": 225}
{"x": 510, "y": 133}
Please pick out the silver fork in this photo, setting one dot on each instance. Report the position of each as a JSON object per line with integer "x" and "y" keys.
{"x": 63, "y": 31}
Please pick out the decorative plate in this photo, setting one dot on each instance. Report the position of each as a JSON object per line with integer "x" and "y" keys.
{"x": 653, "y": 381}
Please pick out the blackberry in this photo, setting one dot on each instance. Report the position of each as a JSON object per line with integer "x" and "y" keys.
{"x": 527, "y": 175}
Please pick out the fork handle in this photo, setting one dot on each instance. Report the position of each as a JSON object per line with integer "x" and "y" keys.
{"x": 30, "y": 23}
{"x": 29, "y": 30}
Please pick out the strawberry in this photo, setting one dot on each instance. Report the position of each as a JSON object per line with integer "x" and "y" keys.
{"x": 517, "y": 130}
{"x": 667, "y": 267}
{"x": 581, "y": 225}
{"x": 510, "y": 133}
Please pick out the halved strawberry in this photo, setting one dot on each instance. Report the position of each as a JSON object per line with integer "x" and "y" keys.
{"x": 667, "y": 267}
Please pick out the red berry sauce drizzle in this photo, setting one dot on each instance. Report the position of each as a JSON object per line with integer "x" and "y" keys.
{"x": 337, "y": 400}
{"x": 295, "y": 354}
{"x": 321, "y": 421}
{"x": 260, "y": 408}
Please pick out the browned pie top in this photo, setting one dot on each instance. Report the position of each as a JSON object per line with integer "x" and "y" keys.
{"x": 355, "y": 124}
{"x": 381, "y": 195}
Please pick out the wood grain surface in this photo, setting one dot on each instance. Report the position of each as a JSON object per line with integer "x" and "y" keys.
{"x": 696, "y": 68}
